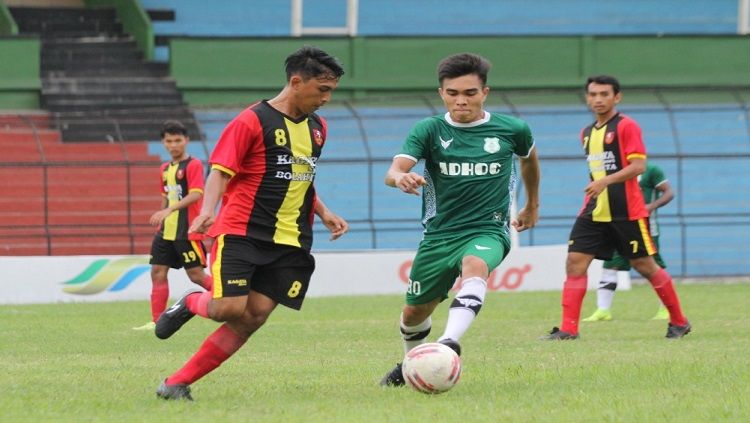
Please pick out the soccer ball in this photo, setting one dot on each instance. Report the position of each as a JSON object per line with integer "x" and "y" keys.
{"x": 431, "y": 368}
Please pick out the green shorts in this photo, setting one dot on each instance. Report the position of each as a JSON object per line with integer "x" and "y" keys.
{"x": 438, "y": 263}
{"x": 619, "y": 262}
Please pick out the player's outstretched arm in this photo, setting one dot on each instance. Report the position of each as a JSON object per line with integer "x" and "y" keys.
{"x": 216, "y": 185}
{"x": 531, "y": 175}
{"x": 399, "y": 175}
{"x": 335, "y": 223}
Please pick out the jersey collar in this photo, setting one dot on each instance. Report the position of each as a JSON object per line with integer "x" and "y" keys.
{"x": 484, "y": 119}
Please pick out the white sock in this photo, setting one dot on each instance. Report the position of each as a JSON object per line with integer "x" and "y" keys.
{"x": 465, "y": 307}
{"x": 607, "y": 287}
{"x": 414, "y": 335}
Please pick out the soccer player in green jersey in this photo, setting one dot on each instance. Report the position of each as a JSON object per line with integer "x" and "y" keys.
{"x": 657, "y": 192}
{"x": 467, "y": 184}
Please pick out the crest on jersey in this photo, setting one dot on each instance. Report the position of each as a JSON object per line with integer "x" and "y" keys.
{"x": 317, "y": 137}
{"x": 445, "y": 143}
{"x": 492, "y": 145}
{"x": 180, "y": 174}
{"x": 609, "y": 137}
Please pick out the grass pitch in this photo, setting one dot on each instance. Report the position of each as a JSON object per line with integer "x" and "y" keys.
{"x": 82, "y": 362}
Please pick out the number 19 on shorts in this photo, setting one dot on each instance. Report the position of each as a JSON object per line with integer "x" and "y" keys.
{"x": 414, "y": 288}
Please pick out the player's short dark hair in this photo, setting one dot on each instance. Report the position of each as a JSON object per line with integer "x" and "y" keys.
{"x": 604, "y": 80}
{"x": 312, "y": 62}
{"x": 464, "y": 64}
{"x": 173, "y": 127}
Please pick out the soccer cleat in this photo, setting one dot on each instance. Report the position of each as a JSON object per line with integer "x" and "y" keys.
{"x": 662, "y": 314}
{"x": 677, "y": 332}
{"x": 394, "y": 378}
{"x": 557, "y": 335}
{"x": 148, "y": 326}
{"x": 172, "y": 320}
{"x": 174, "y": 392}
{"x": 600, "y": 315}
{"x": 454, "y": 345}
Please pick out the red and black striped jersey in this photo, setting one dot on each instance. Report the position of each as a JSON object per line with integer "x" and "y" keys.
{"x": 608, "y": 149}
{"x": 178, "y": 180}
{"x": 271, "y": 158}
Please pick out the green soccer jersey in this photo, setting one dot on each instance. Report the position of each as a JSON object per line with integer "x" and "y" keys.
{"x": 470, "y": 172}
{"x": 652, "y": 177}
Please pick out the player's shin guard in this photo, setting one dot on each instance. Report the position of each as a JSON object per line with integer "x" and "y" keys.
{"x": 465, "y": 307}
{"x": 664, "y": 287}
{"x": 574, "y": 290}
{"x": 159, "y": 298}
{"x": 606, "y": 290}
{"x": 415, "y": 335}
{"x": 216, "y": 349}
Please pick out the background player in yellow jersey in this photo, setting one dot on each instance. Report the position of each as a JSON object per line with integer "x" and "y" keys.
{"x": 657, "y": 192}
{"x": 614, "y": 215}
{"x": 181, "y": 189}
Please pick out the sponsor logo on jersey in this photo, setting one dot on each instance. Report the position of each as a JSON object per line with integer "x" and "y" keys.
{"x": 492, "y": 145}
{"x": 445, "y": 143}
{"x": 469, "y": 169}
{"x": 602, "y": 161}
{"x": 238, "y": 282}
{"x": 317, "y": 137}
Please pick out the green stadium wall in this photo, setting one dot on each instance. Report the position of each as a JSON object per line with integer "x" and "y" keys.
{"x": 212, "y": 71}
{"x": 19, "y": 73}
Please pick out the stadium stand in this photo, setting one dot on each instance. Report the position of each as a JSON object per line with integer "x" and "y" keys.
{"x": 72, "y": 198}
{"x": 94, "y": 198}
{"x": 94, "y": 79}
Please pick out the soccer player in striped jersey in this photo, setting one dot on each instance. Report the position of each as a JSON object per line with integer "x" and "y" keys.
{"x": 657, "y": 192}
{"x": 469, "y": 176}
{"x": 614, "y": 214}
{"x": 263, "y": 165}
{"x": 181, "y": 190}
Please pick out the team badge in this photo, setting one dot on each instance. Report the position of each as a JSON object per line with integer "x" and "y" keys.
{"x": 609, "y": 137}
{"x": 318, "y": 137}
{"x": 445, "y": 143}
{"x": 492, "y": 145}
{"x": 180, "y": 174}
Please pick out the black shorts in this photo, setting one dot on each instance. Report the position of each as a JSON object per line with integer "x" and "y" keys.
{"x": 631, "y": 238}
{"x": 240, "y": 264}
{"x": 178, "y": 253}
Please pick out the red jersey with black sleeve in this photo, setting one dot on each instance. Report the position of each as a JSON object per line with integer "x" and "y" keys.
{"x": 271, "y": 158}
{"x": 178, "y": 180}
{"x": 608, "y": 149}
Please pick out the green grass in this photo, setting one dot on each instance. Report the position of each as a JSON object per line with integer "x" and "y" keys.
{"x": 82, "y": 362}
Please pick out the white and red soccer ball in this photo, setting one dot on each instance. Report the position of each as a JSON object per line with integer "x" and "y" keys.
{"x": 431, "y": 368}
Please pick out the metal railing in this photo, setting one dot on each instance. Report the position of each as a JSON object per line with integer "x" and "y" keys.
{"x": 704, "y": 230}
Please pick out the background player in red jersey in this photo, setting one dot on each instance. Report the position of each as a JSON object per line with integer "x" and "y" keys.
{"x": 181, "y": 190}
{"x": 264, "y": 166}
{"x": 614, "y": 215}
